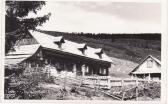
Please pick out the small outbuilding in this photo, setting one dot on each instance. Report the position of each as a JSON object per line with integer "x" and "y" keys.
{"x": 149, "y": 68}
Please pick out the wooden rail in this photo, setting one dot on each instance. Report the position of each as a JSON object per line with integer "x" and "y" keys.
{"x": 125, "y": 82}
{"x": 68, "y": 81}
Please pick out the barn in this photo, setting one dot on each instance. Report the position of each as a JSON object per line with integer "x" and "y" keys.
{"x": 149, "y": 68}
{"x": 56, "y": 55}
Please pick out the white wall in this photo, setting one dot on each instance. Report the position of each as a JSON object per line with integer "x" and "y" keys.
{"x": 154, "y": 69}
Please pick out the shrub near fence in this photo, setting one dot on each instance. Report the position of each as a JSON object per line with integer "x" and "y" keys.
{"x": 141, "y": 88}
{"x": 26, "y": 85}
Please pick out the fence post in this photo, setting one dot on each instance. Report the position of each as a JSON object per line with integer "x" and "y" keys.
{"x": 137, "y": 89}
{"x": 123, "y": 95}
{"x": 65, "y": 79}
{"x": 98, "y": 82}
{"x": 81, "y": 81}
{"x": 109, "y": 82}
{"x": 122, "y": 82}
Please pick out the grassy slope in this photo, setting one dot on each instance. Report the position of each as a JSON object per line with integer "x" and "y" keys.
{"x": 125, "y": 52}
{"x": 121, "y": 68}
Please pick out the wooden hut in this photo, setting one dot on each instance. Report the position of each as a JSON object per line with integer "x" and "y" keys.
{"x": 149, "y": 68}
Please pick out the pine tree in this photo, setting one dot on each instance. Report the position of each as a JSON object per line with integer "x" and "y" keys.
{"x": 16, "y": 23}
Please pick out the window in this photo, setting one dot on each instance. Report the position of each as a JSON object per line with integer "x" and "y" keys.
{"x": 102, "y": 71}
{"x": 149, "y": 63}
{"x": 87, "y": 69}
{"x": 46, "y": 61}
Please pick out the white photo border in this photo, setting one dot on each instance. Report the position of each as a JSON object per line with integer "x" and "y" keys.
{"x": 164, "y": 60}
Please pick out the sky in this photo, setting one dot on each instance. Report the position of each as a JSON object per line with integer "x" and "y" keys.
{"x": 101, "y": 17}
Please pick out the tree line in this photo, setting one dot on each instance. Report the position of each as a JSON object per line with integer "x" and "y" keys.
{"x": 144, "y": 36}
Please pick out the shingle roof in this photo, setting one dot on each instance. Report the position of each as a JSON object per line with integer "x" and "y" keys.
{"x": 47, "y": 41}
{"x": 99, "y": 50}
{"x": 81, "y": 45}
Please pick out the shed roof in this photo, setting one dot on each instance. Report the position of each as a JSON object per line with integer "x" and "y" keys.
{"x": 24, "y": 50}
{"x": 20, "y": 53}
{"x": 13, "y": 61}
{"x": 135, "y": 71}
{"x": 47, "y": 41}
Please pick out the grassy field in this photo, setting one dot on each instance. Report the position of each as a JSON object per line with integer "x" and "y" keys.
{"x": 121, "y": 67}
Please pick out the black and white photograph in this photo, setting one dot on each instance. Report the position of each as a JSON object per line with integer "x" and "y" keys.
{"x": 82, "y": 50}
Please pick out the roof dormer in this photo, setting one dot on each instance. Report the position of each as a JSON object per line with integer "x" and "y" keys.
{"x": 82, "y": 47}
{"x": 99, "y": 52}
{"x": 59, "y": 41}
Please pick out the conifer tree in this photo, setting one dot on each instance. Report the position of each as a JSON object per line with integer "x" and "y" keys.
{"x": 16, "y": 22}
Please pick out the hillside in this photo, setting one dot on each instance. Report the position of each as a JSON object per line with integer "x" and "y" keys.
{"x": 122, "y": 47}
{"x": 126, "y": 50}
{"x": 121, "y": 68}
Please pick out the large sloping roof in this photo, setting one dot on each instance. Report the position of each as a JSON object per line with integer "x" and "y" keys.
{"x": 47, "y": 41}
{"x": 135, "y": 71}
{"x": 20, "y": 53}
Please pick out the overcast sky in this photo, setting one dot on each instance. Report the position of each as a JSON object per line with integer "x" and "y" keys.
{"x": 102, "y": 17}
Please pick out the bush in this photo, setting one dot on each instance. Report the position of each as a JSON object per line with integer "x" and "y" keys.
{"x": 153, "y": 90}
{"x": 50, "y": 80}
{"x": 34, "y": 95}
{"x": 25, "y": 86}
{"x": 88, "y": 94}
{"x": 73, "y": 90}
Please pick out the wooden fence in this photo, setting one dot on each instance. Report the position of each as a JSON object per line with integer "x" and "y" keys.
{"x": 114, "y": 82}
{"x": 101, "y": 81}
{"x": 125, "y": 82}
